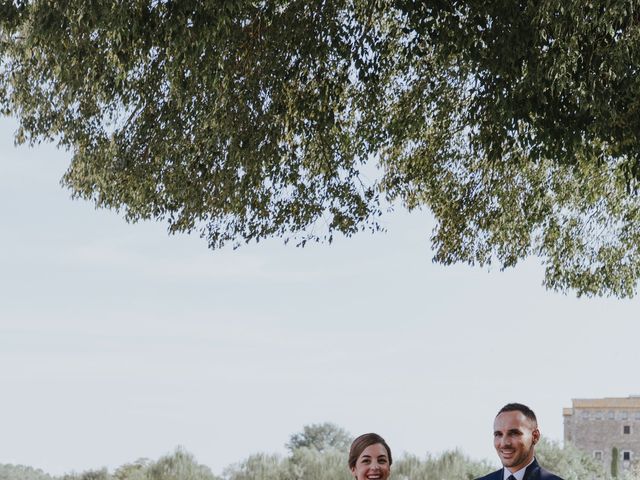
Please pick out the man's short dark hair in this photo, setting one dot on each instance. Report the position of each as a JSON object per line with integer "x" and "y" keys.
{"x": 519, "y": 407}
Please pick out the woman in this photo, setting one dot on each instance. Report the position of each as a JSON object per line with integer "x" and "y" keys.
{"x": 370, "y": 458}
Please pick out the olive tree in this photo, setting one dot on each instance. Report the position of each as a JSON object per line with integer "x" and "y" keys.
{"x": 513, "y": 122}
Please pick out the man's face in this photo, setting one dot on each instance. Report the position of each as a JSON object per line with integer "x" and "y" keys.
{"x": 514, "y": 436}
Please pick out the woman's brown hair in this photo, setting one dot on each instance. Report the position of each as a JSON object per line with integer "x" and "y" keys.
{"x": 364, "y": 441}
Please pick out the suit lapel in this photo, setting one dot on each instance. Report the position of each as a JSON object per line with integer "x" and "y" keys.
{"x": 532, "y": 472}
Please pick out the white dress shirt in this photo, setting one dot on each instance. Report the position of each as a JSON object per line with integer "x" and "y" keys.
{"x": 519, "y": 474}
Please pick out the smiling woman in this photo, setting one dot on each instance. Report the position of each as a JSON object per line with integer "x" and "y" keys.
{"x": 370, "y": 458}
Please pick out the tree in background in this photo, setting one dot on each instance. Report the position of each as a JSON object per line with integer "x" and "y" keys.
{"x": 321, "y": 437}
{"x": 319, "y": 452}
{"x": 179, "y": 465}
{"x": 258, "y": 466}
{"x": 310, "y": 463}
{"x": 101, "y": 474}
{"x": 452, "y": 465}
{"x": 615, "y": 462}
{"x": 21, "y": 472}
{"x": 633, "y": 471}
{"x": 568, "y": 461}
{"x": 132, "y": 471}
{"x": 514, "y": 124}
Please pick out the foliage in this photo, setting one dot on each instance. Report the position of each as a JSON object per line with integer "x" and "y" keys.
{"x": 321, "y": 437}
{"x": 258, "y": 466}
{"x": 21, "y": 472}
{"x": 633, "y": 471}
{"x": 523, "y": 144}
{"x": 101, "y": 474}
{"x": 568, "y": 461}
{"x": 306, "y": 463}
{"x": 452, "y": 465}
{"x": 213, "y": 114}
{"x": 132, "y": 471}
{"x": 615, "y": 462}
{"x": 313, "y": 464}
{"x": 514, "y": 123}
{"x": 178, "y": 466}
{"x": 319, "y": 452}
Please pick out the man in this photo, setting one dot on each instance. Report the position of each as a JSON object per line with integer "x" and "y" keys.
{"x": 515, "y": 433}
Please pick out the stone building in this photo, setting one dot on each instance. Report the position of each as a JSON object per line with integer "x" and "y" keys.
{"x": 597, "y": 425}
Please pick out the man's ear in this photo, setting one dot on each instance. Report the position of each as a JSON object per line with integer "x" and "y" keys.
{"x": 536, "y": 436}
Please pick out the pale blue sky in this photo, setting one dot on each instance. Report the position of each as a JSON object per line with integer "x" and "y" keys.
{"x": 118, "y": 341}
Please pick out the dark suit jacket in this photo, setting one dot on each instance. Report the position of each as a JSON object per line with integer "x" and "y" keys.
{"x": 533, "y": 472}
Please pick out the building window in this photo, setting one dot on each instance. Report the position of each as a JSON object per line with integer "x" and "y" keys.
{"x": 612, "y": 415}
{"x": 626, "y": 456}
{"x": 626, "y": 429}
{"x": 585, "y": 415}
{"x": 624, "y": 415}
{"x": 637, "y": 415}
{"x": 597, "y": 454}
{"x": 598, "y": 415}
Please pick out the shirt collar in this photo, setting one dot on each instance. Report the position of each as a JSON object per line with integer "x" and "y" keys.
{"x": 519, "y": 474}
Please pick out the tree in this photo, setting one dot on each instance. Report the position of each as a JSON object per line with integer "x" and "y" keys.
{"x": 180, "y": 465}
{"x": 21, "y": 472}
{"x": 309, "y": 463}
{"x": 514, "y": 123}
{"x": 132, "y": 471}
{"x": 453, "y": 465}
{"x": 615, "y": 461}
{"x": 101, "y": 474}
{"x": 528, "y": 148}
{"x": 258, "y": 466}
{"x": 321, "y": 437}
{"x": 633, "y": 471}
{"x": 568, "y": 461}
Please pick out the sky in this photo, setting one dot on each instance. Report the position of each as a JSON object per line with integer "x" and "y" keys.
{"x": 119, "y": 341}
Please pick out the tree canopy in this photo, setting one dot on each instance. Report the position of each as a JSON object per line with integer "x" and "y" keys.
{"x": 514, "y": 122}
{"x": 321, "y": 437}
{"x": 569, "y": 461}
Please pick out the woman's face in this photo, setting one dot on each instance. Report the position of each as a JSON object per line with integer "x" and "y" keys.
{"x": 372, "y": 464}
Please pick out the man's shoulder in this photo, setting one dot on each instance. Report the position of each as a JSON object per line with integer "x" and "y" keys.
{"x": 538, "y": 474}
{"x": 547, "y": 475}
{"x": 497, "y": 475}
